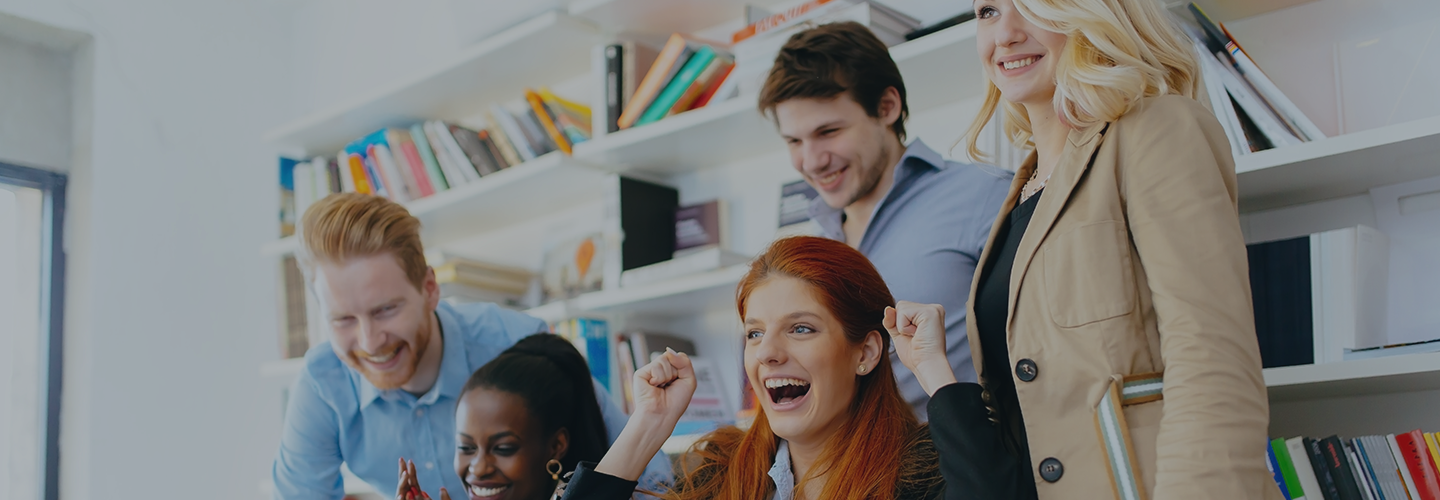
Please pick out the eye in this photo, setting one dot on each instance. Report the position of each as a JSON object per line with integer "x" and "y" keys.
{"x": 828, "y": 132}
{"x": 753, "y": 334}
{"x": 343, "y": 322}
{"x": 466, "y": 449}
{"x": 802, "y": 329}
{"x": 986, "y": 12}
{"x": 505, "y": 450}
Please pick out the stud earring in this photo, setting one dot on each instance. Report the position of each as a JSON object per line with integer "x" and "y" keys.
{"x": 553, "y": 467}
{"x": 862, "y": 369}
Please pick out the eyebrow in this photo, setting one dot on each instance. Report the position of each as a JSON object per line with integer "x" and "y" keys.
{"x": 822, "y": 126}
{"x": 389, "y": 303}
{"x": 791, "y": 316}
{"x": 499, "y": 435}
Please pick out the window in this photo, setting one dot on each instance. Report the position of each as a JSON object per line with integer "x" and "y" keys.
{"x": 31, "y": 292}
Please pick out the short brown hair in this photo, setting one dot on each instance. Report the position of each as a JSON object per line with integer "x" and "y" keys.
{"x": 831, "y": 59}
{"x": 348, "y": 225}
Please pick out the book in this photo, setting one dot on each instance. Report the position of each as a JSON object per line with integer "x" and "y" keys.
{"x": 442, "y": 155}
{"x": 485, "y": 276}
{"x": 1420, "y": 347}
{"x": 708, "y": 259}
{"x": 1339, "y": 465}
{"x": 547, "y": 122}
{"x": 504, "y": 122}
{"x": 1362, "y": 475}
{"x": 1407, "y": 479}
{"x": 303, "y": 178}
{"x": 1417, "y": 460}
{"x": 707, "y": 404}
{"x": 1220, "y": 100}
{"x": 1272, "y": 464}
{"x": 670, "y": 57}
{"x": 461, "y": 293}
{"x": 1304, "y": 473}
{"x": 372, "y": 174}
{"x": 1382, "y": 462}
{"x": 795, "y": 198}
{"x": 1328, "y": 485}
{"x": 530, "y": 126}
{"x": 1294, "y": 119}
{"x": 692, "y": 93}
{"x": 421, "y": 143}
{"x": 572, "y": 118}
{"x": 701, "y": 226}
{"x": 294, "y": 322}
{"x": 678, "y": 85}
{"x": 474, "y": 150}
{"x": 408, "y": 159}
{"x": 1294, "y": 490}
{"x": 288, "y": 216}
{"x": 777, "y": 21}
{"x": 359, "y": 174}
{"x": 712, "y": 88}
{"x": 1433, "y": 445}
{"x": 493, "y": 147}
{"x": 646, "y": 346}
{"x": 401, "y": 188}
{"x": 454, "y": 152}
{"x": 333, "y": 167}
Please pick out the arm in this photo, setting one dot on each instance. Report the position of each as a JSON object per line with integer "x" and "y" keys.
{"x": 973, "y": 462}
{"x": 1181, "y": 207}
{"x": 308, "y": 463}
{"x": 657, "y": 472}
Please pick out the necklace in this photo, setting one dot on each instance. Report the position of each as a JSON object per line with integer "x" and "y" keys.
{"x": 1032, "y": 186}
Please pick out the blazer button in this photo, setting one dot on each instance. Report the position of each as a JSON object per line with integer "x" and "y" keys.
{"x": 1026, "y": 370}
{"x": 1051, "y": 470}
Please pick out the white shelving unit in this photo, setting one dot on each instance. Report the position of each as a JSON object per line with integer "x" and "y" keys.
{"x": 676, "y": 297}
{"x": 1395, "y": 374}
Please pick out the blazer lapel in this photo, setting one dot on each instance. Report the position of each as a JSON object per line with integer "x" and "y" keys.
{"x": 1080, "y": 146}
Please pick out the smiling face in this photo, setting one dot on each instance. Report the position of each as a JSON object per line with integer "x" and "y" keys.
{"x": 1020, "y": 57}
{"x": 799, "y": 360}
{"x": 381, "y": 323}
{"x": 501, "y": 449}
{"x": 841, "y": 151}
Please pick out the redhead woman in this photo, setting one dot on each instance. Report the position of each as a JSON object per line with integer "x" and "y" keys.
{"x": 832, "y": 423}
{"x": 1111, "y": 319}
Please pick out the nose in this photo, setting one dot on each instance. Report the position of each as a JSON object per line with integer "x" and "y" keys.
{"x": 772, "y": 350}
{"x": 1010, "y": 30}
{"x": 371, "y": 338}
{"x": 810, "y": 158}
{"x": 480, "y": 466}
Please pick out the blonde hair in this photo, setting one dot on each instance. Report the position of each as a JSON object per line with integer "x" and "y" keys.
{"x": 1117, "y": 52}
{"x": 348, "y": 225}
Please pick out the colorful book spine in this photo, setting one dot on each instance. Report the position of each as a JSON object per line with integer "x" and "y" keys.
{"x": 357, "y": 172}
{"x": 654, "y": 80}
{"x": 1295, "y": 447}
{"x": 711, "y": 89}
{"x": 691, "y": 94}
{"x": 427, "y": 156}
{"x": 403, "y": 147}
{"x": 1417, "y": 459}
{"x": 1287, "y": 469}
{"x": 499, "y": 117}
{"x": 503, "y": 141}
{"x": 678, "y": 85}
{"x": 546, "y": 121}
{"x": 1322, "y": 471}
{"x": 1406, "y": 478}
{"x": 1272, "y": 463}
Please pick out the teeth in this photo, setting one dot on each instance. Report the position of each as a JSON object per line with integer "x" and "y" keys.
{"x": 781, "y": 382}
{"x": 383, "y": 359}
{"x": 487, "y": 492}
{"x": 1021, "y": 63}
{"x": 830, "y": 177}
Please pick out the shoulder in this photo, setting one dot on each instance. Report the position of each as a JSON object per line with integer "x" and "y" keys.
{"x": 1160, "y": 117}
{"x": 484, "y": 322}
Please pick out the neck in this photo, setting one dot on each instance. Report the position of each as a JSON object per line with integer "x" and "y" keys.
{"x": 1049, "y": 133}
{"x": 803, "y": 456}
{"x": 428, "y": 370}
{"x": 858, "y": 212}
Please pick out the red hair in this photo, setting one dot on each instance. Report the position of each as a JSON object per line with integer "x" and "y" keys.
{"x": 867, "y": 457}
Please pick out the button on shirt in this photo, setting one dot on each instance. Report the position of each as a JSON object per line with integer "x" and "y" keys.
{"x": 925, "y": 238}
{"x": 335, "y": 415}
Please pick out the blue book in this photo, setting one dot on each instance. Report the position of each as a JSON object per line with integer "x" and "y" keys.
{"x": 1275, "y": 471}
{"x": 597, "y": 349}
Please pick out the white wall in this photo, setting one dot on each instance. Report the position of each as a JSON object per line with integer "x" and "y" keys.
{"x": 35, "y": 114}
{"x": 169, "y": 310}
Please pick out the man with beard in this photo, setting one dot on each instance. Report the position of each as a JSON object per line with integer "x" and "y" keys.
{"x": 386, "y": 385}
{"x": 838, "y": 100}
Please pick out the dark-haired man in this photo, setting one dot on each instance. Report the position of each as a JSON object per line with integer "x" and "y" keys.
{"x": 838, "y": 100}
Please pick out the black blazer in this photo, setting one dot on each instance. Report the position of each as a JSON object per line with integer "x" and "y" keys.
{"x": 973, "y": 464}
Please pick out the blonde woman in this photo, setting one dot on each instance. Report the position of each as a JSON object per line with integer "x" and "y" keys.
{"x": 1111, "y": 320}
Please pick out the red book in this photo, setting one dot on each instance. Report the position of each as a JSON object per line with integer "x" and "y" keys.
{"x": 1422, "y": 467}
{"x": 715, "y": 83}
{"x": 403, "y": 145}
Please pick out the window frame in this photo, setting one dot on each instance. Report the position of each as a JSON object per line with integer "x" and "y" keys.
{"x": 52, "y": 303}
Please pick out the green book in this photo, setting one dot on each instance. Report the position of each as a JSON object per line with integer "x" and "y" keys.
{"x": 1287, "y": 469}
{"x": 427, "y": 155}
{"x": 678, "y": 85}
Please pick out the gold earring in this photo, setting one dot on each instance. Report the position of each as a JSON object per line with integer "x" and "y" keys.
{"x": 554, "y": 468}
{"x": 862, "y": 369}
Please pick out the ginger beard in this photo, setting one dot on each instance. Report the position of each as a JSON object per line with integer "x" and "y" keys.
{"x": 395, "y": 363}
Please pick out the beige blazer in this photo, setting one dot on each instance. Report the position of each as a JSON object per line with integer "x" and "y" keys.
{"x": 1132, "y": 264}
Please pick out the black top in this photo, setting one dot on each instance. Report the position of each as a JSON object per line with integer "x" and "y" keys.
{"x": 968, "y": 446}
{"x": 992, "y": 307}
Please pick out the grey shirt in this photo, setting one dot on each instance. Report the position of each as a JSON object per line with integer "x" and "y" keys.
{"x": 925, "y": 238}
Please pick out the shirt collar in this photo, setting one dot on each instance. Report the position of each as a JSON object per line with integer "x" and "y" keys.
{"x": 917, "y": 159}
{"x": 454, "y": 369}
{"x": 782, "y": 473}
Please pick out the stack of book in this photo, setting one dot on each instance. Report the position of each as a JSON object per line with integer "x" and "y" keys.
{"x": 683, "y": 75}
{"x": 295, "y": 332}
{"x": 635, "y": 349}
{"x": 592, "y": 338}
{"x": 410, "y": 163}
{"x": 757, "y": 44}
{"x": 463, "y": 280}
{"x": 1380, "y": 467}
{"x": 1256, "y": 115}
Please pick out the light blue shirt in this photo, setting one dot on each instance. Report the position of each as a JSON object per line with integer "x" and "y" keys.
{"x": 337, "y": 416}
{"x": 782, "y": 473}
{"x": 925, "y": 238}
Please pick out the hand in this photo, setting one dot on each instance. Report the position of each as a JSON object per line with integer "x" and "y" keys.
{"x": 408, "y": 488}
{"x": 918, "y": 333}
{"x": 662, "y": 389}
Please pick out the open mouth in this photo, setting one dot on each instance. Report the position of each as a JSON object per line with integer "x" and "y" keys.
{"x": 479, "y": 493}
{"x": 786, "y": 393}
{"x": 383, "y": 361}
{"x": 1019, "y": 63}
{"x": 831, "y": 180}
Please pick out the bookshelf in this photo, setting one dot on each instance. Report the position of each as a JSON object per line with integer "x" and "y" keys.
{"x": 1394, "y": 374}
{"x": 722, "y": 141}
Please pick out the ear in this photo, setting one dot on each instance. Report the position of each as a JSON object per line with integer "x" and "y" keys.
{"x": 430, "y": 288}
{"x": 870, "y": 352}
{"x": 560, "y": 443}
{"x": 889, "y": 106}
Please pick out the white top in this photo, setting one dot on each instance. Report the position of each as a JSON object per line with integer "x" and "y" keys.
{"x": 783, "y": 474}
